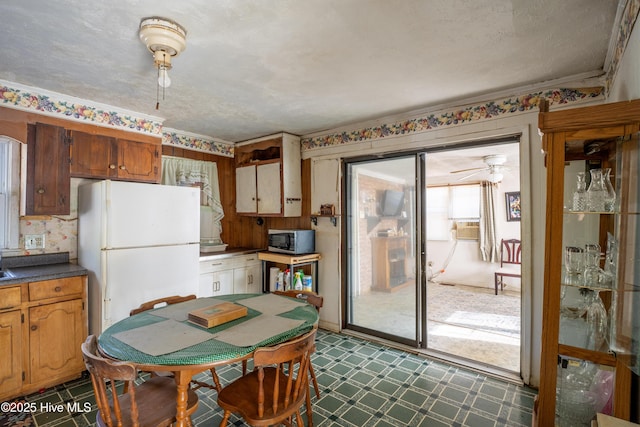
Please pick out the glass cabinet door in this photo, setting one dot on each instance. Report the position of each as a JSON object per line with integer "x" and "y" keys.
{"x": 626, "y": 322}
{"x": 590, "y": 249}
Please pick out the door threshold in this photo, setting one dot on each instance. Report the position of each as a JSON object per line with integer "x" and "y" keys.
{"x": 479, "y": 367}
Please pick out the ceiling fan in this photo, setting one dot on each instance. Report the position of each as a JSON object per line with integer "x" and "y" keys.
{"x": 494, "y": 166}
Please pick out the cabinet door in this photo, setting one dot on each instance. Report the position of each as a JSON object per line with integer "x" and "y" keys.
{"x": 92, "y": 156}
{"x": 138, "y": 161}
{"x": 216, "y": 283}
{"x": 56, "y": 332}
{"x": 246, "y": 189}
{"x": 11, "y": 360}
{"x": 48, "y": 184}
{"x": 269, "y": 188}
{"x": 253, "y": 273}
{"x": 206, "y": 286}
{"x": 240, "y": 280}
{"x": 247, "y": 279}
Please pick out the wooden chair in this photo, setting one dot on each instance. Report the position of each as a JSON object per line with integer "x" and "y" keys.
{"x": 175, "y": 300}
{"x": 157, "y": 302}
{"x": 317, "y": 301}
{"x": 272, "y": 393}
{"x": 510, "y": 261}
{"x": 152, "y": 403}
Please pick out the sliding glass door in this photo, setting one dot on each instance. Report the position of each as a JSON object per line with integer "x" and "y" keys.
{"x": 423, "y": 240}
{"x": 383, "y": 286}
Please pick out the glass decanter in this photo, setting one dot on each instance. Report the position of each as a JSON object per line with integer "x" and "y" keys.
{"x": 593, "y": 275}
{"x": 610, "y": 193}
{"x": 580, "y": 195}
{"x": 597, "y": 322}
{"x": 596, "y": 192}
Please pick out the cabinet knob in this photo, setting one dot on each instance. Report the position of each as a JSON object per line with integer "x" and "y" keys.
{"x": 57, "y": 289}
{"x": 40, "y": 190}
{"x": 123, "y": 167}
{"x": 112, "y": 166}
{"x": 34, "y": 327}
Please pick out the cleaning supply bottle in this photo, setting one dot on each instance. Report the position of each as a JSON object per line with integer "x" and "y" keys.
{"x": 297, "y": 281}
{"x": 287, "y": 280}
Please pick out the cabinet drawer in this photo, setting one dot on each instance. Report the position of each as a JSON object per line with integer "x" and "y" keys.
{"x": 238, "y": 261}
{"x": 211, "y": 266}
{"x": 56, "y": 288}
{"x": 9, "y": 297}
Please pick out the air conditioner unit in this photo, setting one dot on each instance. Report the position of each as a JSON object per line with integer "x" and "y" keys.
{"x": 467, "y": 230}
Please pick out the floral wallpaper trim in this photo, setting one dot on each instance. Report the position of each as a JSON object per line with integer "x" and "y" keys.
{"x": 489, "y": 110}
{"x": 26, "y": 99}
{"x": 627, "y": 22}
{"x": 193, "y": 142}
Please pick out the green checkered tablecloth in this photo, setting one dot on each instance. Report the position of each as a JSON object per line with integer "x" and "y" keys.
{"x": 208, "y": 351}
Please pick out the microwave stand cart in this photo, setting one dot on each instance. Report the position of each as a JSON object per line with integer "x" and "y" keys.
{"x": 292, "y": 262}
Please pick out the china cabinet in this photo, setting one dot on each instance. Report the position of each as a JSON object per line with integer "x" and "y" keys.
{"x": 589, "y": 331}
{"x": 268, "y": 176}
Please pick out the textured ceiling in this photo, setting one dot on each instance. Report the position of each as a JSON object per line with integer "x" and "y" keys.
{"x": 256, "y": 67}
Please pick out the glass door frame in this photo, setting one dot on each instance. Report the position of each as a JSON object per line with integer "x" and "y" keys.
{"x": 419, "y": 341}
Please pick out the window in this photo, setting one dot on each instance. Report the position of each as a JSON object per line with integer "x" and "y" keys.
{"x": 464, "y": 202}
{"x": 9, "y": 192}
{"x": 459, "y": 203}
{"x": 197, "y": 173}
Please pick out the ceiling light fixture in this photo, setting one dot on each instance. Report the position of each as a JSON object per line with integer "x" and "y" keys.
{"x": 495, "y": 177}
{"x": 165, "y": 39}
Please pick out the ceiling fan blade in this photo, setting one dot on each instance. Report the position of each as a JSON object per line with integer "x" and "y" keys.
{"x": 472, "y": 174}
{"x": 469, "y": 170}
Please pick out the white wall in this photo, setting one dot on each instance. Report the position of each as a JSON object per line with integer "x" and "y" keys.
{"x": 626, "y": 84}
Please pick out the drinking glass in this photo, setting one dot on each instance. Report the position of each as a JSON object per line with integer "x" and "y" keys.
{"x": 593, "y": 274}
{"x": 573, "y": 261}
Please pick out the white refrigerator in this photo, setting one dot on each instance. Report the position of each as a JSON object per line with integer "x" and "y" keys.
{"x": 139, "y": 242}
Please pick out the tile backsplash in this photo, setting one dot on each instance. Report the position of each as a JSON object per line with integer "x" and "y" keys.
{"x": 60, "y": 231}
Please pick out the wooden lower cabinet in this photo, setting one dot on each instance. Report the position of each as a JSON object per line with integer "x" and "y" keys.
{"x": 55, "y": 331}
{"x": 41, "y": 335}
{"x": 11, "y": 359}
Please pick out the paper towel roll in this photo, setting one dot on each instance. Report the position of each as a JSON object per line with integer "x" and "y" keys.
{"x": 273, "y": 277}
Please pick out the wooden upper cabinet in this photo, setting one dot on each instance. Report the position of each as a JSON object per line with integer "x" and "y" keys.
{"x": 98, "y": 156}
{"x": 138, "y": 161}
{"x": 268, "y": 176}
{"x": 48, "y": 185}
{"x": 91, "y": 155}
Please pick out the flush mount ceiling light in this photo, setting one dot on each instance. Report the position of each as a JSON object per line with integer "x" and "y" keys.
{"x": 165, "y": 39}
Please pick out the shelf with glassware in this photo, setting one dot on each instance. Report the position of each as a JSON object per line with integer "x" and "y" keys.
{"x": 590, "y": 258}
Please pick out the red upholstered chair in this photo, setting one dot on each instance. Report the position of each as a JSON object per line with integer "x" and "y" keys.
{"x": 510, "y": 262}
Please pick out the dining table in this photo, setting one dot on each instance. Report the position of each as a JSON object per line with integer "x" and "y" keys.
{"x": 163, "y": 339}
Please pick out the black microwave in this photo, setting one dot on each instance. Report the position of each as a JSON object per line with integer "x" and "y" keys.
{"x": 292, "y": 241}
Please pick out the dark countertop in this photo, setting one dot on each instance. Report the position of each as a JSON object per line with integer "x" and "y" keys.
{"x": 32, "y": 268}
{"x": 230, "y": 252}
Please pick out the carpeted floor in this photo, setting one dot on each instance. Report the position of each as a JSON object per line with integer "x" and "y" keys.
{"x": 464, "y": 321}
